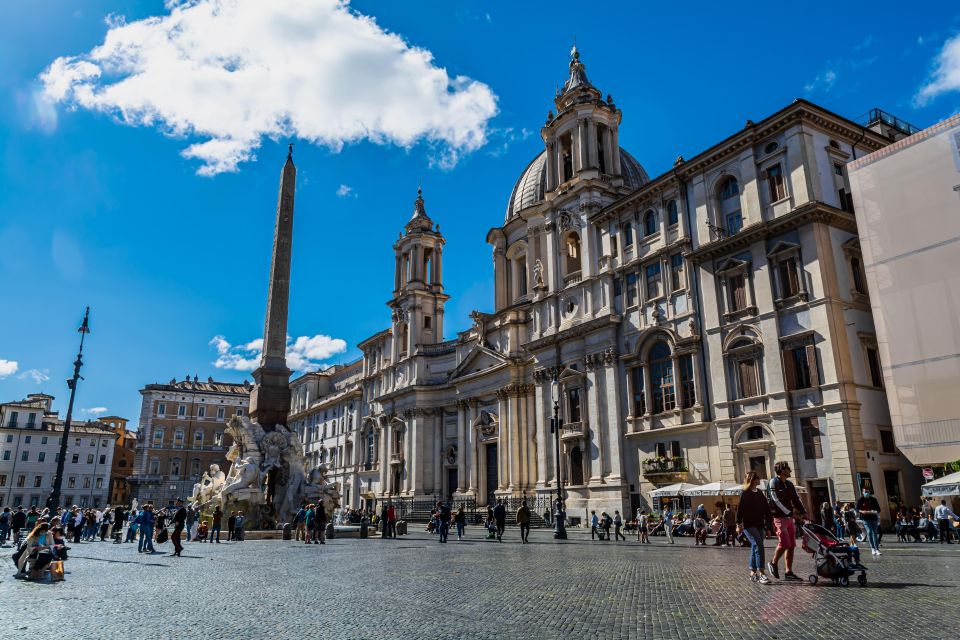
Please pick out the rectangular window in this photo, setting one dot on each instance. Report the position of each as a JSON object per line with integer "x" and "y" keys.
{"x": 201, "y": 412}
{"x": 9, "y": 438}
{"x": 887, "y": 444}
{"x": 626, "y": 229}
{"x": 676, "y": 272}
{"x": 734, "y": 222}
{"x": 573, "y": 404}
{"x": 6, "y": 455}
{"x": 800, "y": 367}
{"x": 747, "y": 378}
{"x": 43, "y": 440}
{"x": 838, "y": 168}
{"x": 778, "y": 190}
{"x": 103, "y": 459}
{"x": 182, "y": 410}
{"x": 13, "y": 418}
{"x": 76, "y": 442}
{"x": 675, "y": 450}
{"x": 687, "y": 385}
{"x": 25, "y": 456}
{"x": 21, "y": 480}
{"x": 873, "y": 362}
{"x": 42, "y": 456}
{"x": 239, "y": 411}
{"x": 220, "y": 413}
{"x": 661, "y": 449}
{"x": 31, "y": 421}
{"x": 218, "y": 438}
{"x": 614, "y": 248}
{"x": 99, "y": 483}
{"x": 846, "y": 200}
{"x": 810, "y": 432}
{"x": 27, "y": 439}
{"x": 89, "y": 458}
{"x": 161, "y": 409}
{"x": 37, "y": 481}
{"x": 3, "y": 480}
{"x": 617, "y": 287}
{"x": 789, "y": 283}
{"x": 738, "y": 292}
{"x": 631, "y": 289}
{"x": 653, "y": 281}
{"x": 639, "y": 396}
{"x": 428, "y": 321}
{"x": 86, "y": 483}
{"x": 76, "y": 458}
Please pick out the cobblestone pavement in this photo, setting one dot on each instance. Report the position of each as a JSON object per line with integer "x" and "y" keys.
{"x": 416, "y": 588}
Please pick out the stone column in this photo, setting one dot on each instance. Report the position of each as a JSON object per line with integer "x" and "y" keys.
{"x": 462, "y": 446}
{"x": 615, "y": 150}
{"x": 436, "y": 456}
{"x": 614, "y": 420}
{"x": 551, "y": 171}
{"x": 594, "y": 469}
{"x": 592, "y": 160}
{"x": 582, "y": 160}
{"x": 541, "y": 394}
{"x": 412, "y": 461}
{"x": 517, "y": 449}
{"x": 503, "y": 448}
{"x": 471, "y": 410}
{"x": 385, "y": 459}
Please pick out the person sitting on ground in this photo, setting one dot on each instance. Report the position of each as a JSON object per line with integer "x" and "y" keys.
{"x": 59, "y": 547}
{"x": 37, "y": 547}
{"x": 202, "y": 531}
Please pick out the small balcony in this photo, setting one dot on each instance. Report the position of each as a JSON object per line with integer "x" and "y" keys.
{"x": 572, "y": 431}
{"x": 665, "y": 470}
{"x": 396, "y": 458}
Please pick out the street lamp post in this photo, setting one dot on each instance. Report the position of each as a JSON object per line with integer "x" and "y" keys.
{"x": 54, "y": 500}
{"x": 556, "y": 424}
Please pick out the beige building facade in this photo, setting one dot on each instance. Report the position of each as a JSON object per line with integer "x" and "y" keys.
{"x": 687, "y": 327}
{"x": 907, "y": 198}
{"x": 181, "y": 433}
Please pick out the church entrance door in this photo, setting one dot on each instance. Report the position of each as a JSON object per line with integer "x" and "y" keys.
{"x": 492, "y": 477}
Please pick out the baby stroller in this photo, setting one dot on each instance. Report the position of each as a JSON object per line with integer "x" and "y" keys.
{"x": 832, "y": 557}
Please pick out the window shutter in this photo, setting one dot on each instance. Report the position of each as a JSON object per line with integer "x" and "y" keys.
{"x": 675, "y": 451}
{"x": 812, "y": 364}
{"x": 792, "y": 274}
{"x": 661, "y": 450}
{"x": 789, "y": 374}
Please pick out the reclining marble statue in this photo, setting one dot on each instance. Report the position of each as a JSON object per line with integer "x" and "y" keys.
{"x": 268, "y": 478}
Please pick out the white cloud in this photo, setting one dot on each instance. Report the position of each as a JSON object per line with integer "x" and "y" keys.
{"x": 232, "y": 72}
{"x": 945, "y": 76}
{"x": 345, "y": 190}
{"x": 8, "y": 368}
{"x": 95, "y": 411}
{"x": 303, "y": 353}
{"x": 823, "y": 82}
{"x": 37, "y": 375}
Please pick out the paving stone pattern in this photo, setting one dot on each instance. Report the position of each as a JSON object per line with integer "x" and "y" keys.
{"x": 416, "y": 588}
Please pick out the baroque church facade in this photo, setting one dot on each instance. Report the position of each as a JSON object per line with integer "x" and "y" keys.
{"x": 688, "y": 327}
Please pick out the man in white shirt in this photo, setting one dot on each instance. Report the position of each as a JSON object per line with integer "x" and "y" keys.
{"x": 943, "y": 513}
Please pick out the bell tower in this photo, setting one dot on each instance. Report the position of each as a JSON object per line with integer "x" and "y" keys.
{"x": 418, "y": 296}
{"x": 582, "y": 139}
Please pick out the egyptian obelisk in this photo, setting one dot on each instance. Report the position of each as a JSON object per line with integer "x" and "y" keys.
{"x": 270, "y": 398}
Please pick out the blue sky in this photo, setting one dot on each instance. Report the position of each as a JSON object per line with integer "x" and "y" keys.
{"x": 148, "y": 191}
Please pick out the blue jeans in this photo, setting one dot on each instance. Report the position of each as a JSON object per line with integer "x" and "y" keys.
{"x": 755, "y": 536}
{"x": 4, "y": 532}
{"x": 871, "y": 526}
{"x": 215, "y": 530}
{"x": 443, "y": 529}
{"x": 146, "y": 538}
{"x": 459, "y": 530}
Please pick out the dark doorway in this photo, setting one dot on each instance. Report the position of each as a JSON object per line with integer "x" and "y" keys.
{"x": 492, "y": 476}
{"x": 452, "y": 481}
{"x": 819, "y": 493}
{"x": 891, "y": 480}
{"x": 576, "y": 466}
{"x": 759, "y": 464}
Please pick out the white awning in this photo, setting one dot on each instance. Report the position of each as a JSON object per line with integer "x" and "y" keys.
{"x": 945, "y": 486}
{"x": 672, "y": 491}
{"x": 714, "y": 489}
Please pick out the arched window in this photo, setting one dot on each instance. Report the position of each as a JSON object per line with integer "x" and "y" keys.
{"x": 572, "y": 252}
{"x": 650, "y": 223}
{"x": 661, "y": 378}
{"x": 744, "y": 355}
{"x": 428, "y": 265}
{"x": 158, "y": 438}
{"x": 154, "y": 466}
{"x": 178, "y": 438}
{"x": 728, "y": 201}
{"x": 576, "y": 466}
{"x": 673, "y": 214}
{"x": 198, "y": 438}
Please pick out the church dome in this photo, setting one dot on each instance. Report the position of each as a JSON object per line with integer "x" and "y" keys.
{"x": 530, "y": 187}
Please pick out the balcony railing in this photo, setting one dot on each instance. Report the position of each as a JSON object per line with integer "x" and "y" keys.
{"x": 657, "y": 466}
{"x": 879, "y": 115}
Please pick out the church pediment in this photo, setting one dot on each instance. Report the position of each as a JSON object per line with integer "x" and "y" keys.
{"x": 479, "y": 359}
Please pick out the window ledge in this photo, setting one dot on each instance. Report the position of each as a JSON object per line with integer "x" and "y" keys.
{"x": 797, "y": 298}
{"x": 750, "y": 310}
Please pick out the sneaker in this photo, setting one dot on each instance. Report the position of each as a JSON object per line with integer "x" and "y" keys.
{"x": 763, "y": 579}
{"x": 876, "y": 552}
{"x": 772, "y": 568}
{"x": 790, "y": 575}
{"x": 754, "y": 577}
